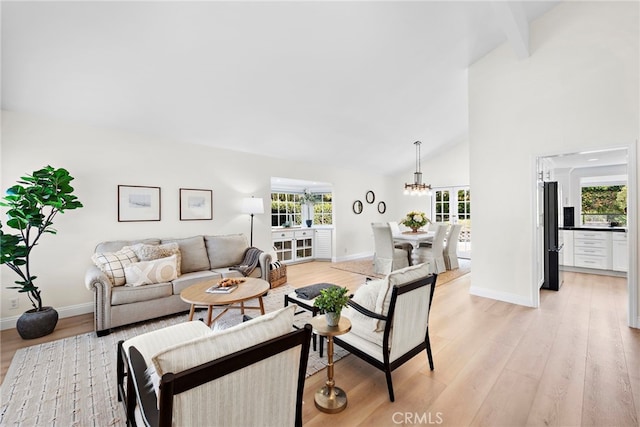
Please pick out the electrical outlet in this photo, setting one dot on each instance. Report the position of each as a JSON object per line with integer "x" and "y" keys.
{"x": 13, "y": 303}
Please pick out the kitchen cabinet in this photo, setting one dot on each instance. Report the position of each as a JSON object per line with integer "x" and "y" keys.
{"x": 619, "y": 252}
{"x": 566, "y": 254}
{"x": 323, "y": 243}
{"x": 293, "y": 245}
{"x": 592, "y": 249}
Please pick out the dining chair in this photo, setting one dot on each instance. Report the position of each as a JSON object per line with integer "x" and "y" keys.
{"x": 395, "y": 230}
{"x": 434, "y": 254}
{"x": 387, "y": 257}
{"x": 450, "y": 250}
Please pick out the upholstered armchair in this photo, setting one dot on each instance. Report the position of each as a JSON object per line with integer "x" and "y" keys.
{"x": 249, "y": 375}
{"x": 387, "y": 257}
{"x": 399, "y": 303}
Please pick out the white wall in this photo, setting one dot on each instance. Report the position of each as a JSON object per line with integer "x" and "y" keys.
{"x": 101, "y": 159}
{"x": 577, "y": 91}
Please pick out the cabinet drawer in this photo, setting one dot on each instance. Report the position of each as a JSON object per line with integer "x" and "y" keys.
{"x": 590, "y": 261}
{"x": 303, "y": 233}
{"x": 591, "y": 251}
{"x": 279, "y": 235}
{"x": 619, "y": 237}
{"x": 593, "y": 235}
{"x": 584, "y": 243}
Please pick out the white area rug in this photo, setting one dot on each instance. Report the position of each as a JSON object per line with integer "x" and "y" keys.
{"x": 72, "y": 381}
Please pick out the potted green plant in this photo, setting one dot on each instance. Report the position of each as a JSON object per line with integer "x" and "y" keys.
{"x": 308, "y": 199}
{"x": 33, "y": 204}
{"x": 332, "y": 300}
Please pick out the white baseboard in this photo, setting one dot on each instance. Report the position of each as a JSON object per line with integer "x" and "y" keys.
{"x": 69, "y": 311}
{"x": 501, "y": 296}
{"x": 353, "y": 257}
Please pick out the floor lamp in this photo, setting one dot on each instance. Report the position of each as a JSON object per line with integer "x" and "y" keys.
{"x": 252, "y": 206}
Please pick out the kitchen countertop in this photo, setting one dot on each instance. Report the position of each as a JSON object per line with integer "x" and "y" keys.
{"x": 613, "y": 229}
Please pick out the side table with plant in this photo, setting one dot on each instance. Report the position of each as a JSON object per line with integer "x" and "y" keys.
{"x": 332, "y": 300}
{"x": 33, "y": 204}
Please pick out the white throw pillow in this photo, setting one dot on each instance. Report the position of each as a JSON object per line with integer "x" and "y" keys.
{"x": 366, "y": 296}
{"x": 398, "y": 277}
{"x": 220, "y": 343}
{"x": 147, "y": 272}
{"x": 114, "y": 263}
{"x": 146, "y": 252}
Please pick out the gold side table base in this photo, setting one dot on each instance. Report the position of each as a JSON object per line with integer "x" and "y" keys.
{"x": 331, "y": 401}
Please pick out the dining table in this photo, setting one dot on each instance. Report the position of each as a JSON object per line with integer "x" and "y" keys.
{"x": 415, "y": 238}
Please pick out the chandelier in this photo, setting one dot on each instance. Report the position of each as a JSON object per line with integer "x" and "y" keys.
{"x": 417, "y": 188}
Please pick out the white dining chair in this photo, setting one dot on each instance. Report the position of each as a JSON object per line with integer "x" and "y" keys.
{"x": 387, "y": 257}
{"x": 433, "y": 254}
{"x": 450, "y": 250}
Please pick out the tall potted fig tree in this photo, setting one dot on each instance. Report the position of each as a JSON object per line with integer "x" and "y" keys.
{"x": 32, "y": 205}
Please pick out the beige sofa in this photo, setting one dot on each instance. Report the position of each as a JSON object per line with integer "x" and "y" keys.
{"x": 202, "y": 257}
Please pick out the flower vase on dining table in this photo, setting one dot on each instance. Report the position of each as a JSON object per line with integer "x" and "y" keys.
{"x": 415, "y": 229}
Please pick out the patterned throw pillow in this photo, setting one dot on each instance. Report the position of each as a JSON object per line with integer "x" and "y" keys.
{"x": 114, "y": 263}
{"x": 150, "y": 252}
{"x": 147, "y": 272}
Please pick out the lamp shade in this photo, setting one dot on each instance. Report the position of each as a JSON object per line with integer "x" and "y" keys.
{"x": 252, "y": 205}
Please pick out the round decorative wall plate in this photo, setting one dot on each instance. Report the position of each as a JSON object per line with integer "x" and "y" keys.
{"x": 357, "y": 207}
{"x": 370, "y": 197}
{"x": 382, "y": 207}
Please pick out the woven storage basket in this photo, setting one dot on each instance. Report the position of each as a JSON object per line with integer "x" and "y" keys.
{"x": 278, "y": 276}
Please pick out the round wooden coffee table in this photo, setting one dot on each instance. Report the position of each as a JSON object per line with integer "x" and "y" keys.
{"x": 250, "y": 289}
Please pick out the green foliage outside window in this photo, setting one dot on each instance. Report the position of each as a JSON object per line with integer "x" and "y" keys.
{"x": 287, "y": 208}
{"x": 604, "y": 204}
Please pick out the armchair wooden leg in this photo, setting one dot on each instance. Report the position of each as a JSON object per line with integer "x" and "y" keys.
{"x": 429, "y": 355}
{"x": 387, "y": 373}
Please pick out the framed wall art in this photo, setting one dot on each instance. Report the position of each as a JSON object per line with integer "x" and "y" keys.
{"x": 196, "y": 204}
{"x": 138, "y": 203}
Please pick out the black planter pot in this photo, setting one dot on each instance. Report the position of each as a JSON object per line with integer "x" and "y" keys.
{"x": 35, "y": 324}
{"x": 309, "y": 222}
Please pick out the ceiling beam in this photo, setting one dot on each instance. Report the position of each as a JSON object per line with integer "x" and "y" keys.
{"x": 513, "y": 20}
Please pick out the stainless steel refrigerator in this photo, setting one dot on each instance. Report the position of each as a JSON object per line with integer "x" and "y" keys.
{"x": 552, "y": 243}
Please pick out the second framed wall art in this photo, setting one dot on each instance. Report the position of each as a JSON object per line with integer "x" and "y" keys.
{"x": 196, "y": 204}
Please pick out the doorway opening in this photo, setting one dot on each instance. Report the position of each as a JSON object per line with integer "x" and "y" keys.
{"x": 586, "y": 182}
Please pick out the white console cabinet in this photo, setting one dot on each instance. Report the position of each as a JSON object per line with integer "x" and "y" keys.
{"x": 323, "y": 243}
{"x": 293, "y": 245}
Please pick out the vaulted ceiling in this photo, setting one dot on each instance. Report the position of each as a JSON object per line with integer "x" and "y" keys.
{"x": 348, "y": 84}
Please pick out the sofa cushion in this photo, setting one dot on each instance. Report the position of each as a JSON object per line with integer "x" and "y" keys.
{"x": 114, "y": 263}
{"x": 146, "y": 252}
{"x": 188, "y": 279}
{"x": 226, "y": 251}
{"x": 220, "y": 343}
{"x": 116, "y": 245}
{"x": 227, "y": 272}
{"x": 398, "y": 277}
{"x": 130, "y": 294}
{"x": 147, "y": 272}
{"x": 193, "y": 253}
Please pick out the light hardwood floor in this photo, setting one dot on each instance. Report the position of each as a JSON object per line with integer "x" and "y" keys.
{"x": 572, "y": 362}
